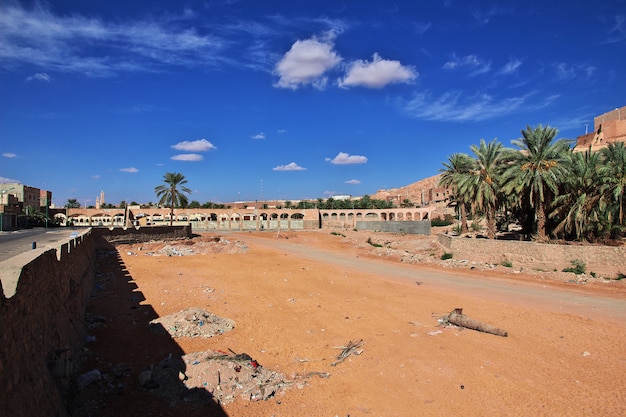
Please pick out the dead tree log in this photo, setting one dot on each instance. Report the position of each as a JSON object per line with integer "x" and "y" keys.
{"x": 457, "y": 318}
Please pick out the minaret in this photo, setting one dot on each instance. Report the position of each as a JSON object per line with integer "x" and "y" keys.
{"x": 102, "y": 197}
{"x": 97, "y": 203}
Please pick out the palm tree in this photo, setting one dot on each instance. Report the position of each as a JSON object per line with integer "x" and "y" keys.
{"x": 613, "y": 174}
{"x": 579, "y": 205}
{"x": 482, "y": 185}
{"x": 172, "y": 192}
{"x": 72, "y": 203}
{"x": 455, "y": 171}
{"x": 536, "y": 169}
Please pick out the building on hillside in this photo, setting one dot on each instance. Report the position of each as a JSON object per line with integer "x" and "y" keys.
{"x": 608, "y": 128}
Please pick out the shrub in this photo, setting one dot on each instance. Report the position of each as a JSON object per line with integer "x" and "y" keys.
{"x": 508, "y": 264}
{"x": 457, "y": 228}
{"x": 337, "y": 234}
{"x": 578, "y": 267}
{"x": 438, "y": 221}
{"x": 376, "y": 245}
{"x": 446, "y": 255}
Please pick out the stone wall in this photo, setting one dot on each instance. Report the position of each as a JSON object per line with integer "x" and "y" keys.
{"x": 42, "y": 307}
{"x": 421, "y": 227}
{"x": 605, "y": 261}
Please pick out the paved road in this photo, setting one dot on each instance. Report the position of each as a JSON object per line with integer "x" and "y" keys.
{"x": 20, "y": 241}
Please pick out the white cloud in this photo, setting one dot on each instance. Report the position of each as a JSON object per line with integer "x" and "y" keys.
{"x": 343, "y": 158}
{"x": 473, "y": 63}
{"x": 4, "y": 180}
{"x": 454, "y": 106}
{"x": 305, "y": 63}
{"x": 189, "y": 157}
{"x": 618, "y": 32}
{"x": 37, "y": 36}
{"x": 289, "y": 167}
{"x": 259, "y": 136}
{"x": 510, "y": 67}
{"x": 377, "y": 73}
{"x": 9, "y": 155}
{"x": 130, "y": 169}
{"x": 96, "y": 176}
{"x": 568, "y": 72}
{"x": 200, "y": 145}
{"x": 40, "y": 76}
{"x": 353, "y": 182}
{"x": 281, "y": 131}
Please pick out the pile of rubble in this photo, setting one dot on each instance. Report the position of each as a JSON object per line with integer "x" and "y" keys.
{"x": 192, "y": 322}
{"x": 200, "y": 245}
{"x": 214, "y": 376}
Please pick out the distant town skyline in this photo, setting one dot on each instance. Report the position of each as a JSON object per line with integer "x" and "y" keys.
{"x": 288, "y": 100}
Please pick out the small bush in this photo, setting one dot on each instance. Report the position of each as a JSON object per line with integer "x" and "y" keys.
{"x": 508, "y": 264}
{"x": 620, "y": 276}
{"x": 457, "y": 228}
{"x": 337, "y": 234}
{"x": 475, "y": 226}
{"x": 446, "y": 255}
{"x": 376, "y": 245}
{"x": 578, "y": 267}
{"x": 438, "y": 221}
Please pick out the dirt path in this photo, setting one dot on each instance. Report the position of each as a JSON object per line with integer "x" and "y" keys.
{"x": 542, "y": 295}
{"x": 297, "y": 300}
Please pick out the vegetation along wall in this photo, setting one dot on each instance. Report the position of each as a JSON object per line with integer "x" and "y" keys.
{"x": 605, "y": 261}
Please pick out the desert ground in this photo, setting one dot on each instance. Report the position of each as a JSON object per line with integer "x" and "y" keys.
{"x": 330, "y": 325}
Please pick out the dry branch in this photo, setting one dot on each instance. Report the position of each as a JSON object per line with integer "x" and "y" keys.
{"x": 350, "y": 349}
{"x": 457, "y": 318}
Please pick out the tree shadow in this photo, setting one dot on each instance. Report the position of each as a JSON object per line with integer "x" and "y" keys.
{"x": 138, "y": 368}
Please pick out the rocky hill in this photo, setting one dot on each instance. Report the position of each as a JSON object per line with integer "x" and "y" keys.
{"x": 421, "y": 192}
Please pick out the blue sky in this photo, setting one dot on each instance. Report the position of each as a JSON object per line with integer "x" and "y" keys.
{"x": 288, "y": 99}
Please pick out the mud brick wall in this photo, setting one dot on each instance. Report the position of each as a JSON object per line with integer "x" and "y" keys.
{"x": 143, "y": 233}
{"x": 605, "y": 261}
{"x": 43, "y": 318}
{"x": 42, "y": 329}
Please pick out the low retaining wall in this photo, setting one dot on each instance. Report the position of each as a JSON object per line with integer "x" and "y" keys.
{"x": 43, "y": 298}
{"x": 421, "y": 227}
{"x": 143, "y": 233}
{"x": 605, "y": 261}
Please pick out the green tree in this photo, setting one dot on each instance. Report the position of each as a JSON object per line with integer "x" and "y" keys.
{"x": 72, "y": 203}
{"x": 482, "y": 185}
{"x": 578, "y": 207}
{"x": 454, "y": 172}
{"x": 613, "y": 174}
{"x": 536, "y": 169}
{"x": 172, "y": 192}
{"x": 365, "y": 202}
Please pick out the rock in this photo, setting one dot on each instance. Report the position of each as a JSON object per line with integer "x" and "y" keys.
{"x": 145, "y": 377}
{"x": 88, "y": 377}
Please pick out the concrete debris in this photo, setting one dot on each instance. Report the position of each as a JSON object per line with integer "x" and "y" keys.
{"x": 192, "y": 322}
{"x": 216, "y": 376}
